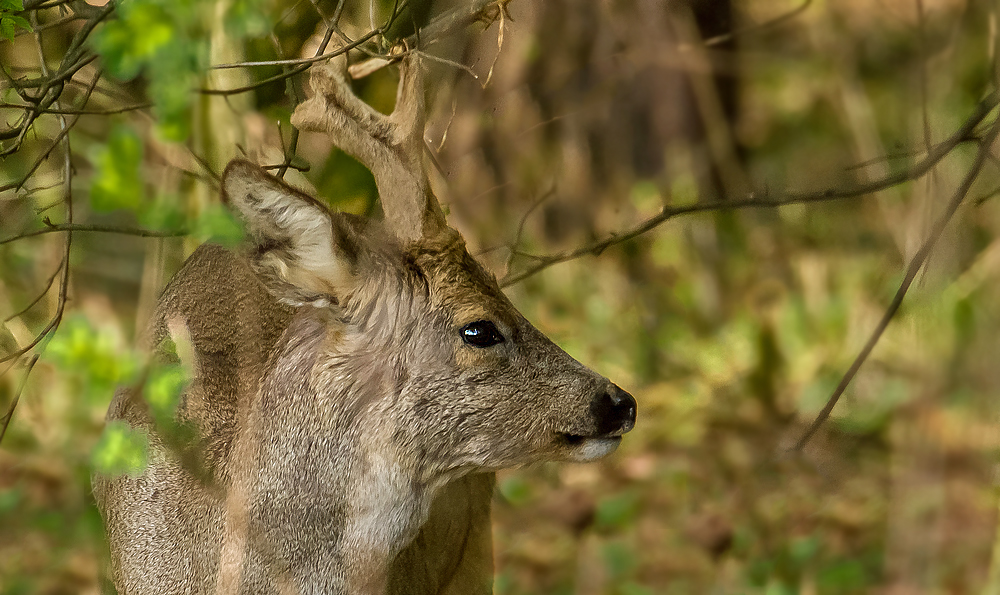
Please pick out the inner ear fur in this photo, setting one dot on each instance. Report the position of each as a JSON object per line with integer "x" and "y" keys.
{"x": 303, "y": 252}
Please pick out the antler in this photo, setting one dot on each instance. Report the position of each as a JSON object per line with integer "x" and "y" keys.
{"x": 390, "y": 146}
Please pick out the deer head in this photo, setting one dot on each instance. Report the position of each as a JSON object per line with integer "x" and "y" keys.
{"x": 421, "y": 346}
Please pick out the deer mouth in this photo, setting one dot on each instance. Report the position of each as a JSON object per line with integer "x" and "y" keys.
{"x": 588, "y": 448}
{"x": 577, "y": 439}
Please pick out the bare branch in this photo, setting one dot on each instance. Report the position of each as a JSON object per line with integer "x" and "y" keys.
{"x": 70, "y": 227}
{"x": 769, "y": 24}
{"x": 479, "y": 11}
{"x": 442, "y": 26}
{"x": 68, "y": 201}
{"x": 300, "y": 61}
{"x": 5, "y": 420}
{"x": 53, "y": 324}
{"x": 72, "y": 112}
{"x": 258, "y": 84}
{"x": 524, "y": 221}
{"x": 911, "y": 273}
{"x": 917, "y": 170}
{"x": 59, "y": 137}
{"x": 52, "y": 25}
{"x": 48, "y": 286}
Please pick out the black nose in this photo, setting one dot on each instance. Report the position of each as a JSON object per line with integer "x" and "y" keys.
{"x": 614, "y": 411}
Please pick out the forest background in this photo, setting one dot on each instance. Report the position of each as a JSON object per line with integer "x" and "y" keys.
{"x": 720, "y": 204}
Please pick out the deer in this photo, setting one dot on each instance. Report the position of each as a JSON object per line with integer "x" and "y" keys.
{"x": 356, "y": 383}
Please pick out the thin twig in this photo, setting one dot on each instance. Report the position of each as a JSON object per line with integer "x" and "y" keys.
{"x": 779, "y": 20}
{"x": 482, "y": 11}
{"x": 302, "y": 61}
{"x": 881, "y": 159}
{"x": 52, "y": 25}
{"x": 911, "y": 273}
{"x": 59, "y": 137}
{"x": 71, "y": 227}
{"x": 444, "y": 25}
{"x": 17, "y": 396}
{"x": 207, "y": 167}
{"x": 288, "y": 153}
{"x": 48, "y": 286}
{"x": 978, "y": 201}
{"x": 524, "y": 221}
{"x": 35, "y": 6}
{"x": 68, "y": 200}
{"x": 915, "y": 171}
{"x": 257, "y": 85}
{"x": 453, "y": 64}
{"x": 73, "y": 112}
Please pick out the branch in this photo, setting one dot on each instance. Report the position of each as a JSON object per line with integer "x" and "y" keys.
{"x": 479, "y": 11}
{"x": 68, "y": 200}
{"x": 129, "y": 231}
{"x": 258, "y": 84}
{"x": 50, "y": 86}
{"x": 81, "y": 112}
{"x": 524, "y": 221}
{"x": 917, "y": 170}
{"x": 769, "y": 24}
{"x": 5, "y": 420}
{"x": 302, "y": 61}
{"x": 48, "y": 286}
{"x": 911, "y": 273}
{"x": 59, "y": 137}
{"x": 442, "y": 26}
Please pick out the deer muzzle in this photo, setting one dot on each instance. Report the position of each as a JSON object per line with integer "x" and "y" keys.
{"x": 613, "y": 413}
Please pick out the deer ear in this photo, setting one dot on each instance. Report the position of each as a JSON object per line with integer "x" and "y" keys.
{"x": 303, "y": 253}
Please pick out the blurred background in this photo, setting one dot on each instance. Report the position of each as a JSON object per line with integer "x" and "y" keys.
{"x": 555, "y": 129}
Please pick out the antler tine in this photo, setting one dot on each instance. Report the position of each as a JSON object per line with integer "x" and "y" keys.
{"x": 390, "y": 146}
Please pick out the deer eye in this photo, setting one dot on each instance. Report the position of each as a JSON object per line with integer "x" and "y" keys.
{"x": 481, "y": 333}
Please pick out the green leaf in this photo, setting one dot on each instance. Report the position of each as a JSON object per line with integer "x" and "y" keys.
{"x": 168, "y": 43}
{"x": 619, "y": 559}
{"x": 171, "y": 81}
{"x": 843, "y": 576}
{"x": 10, "y": 500}
{"x": 246, "y": 18}
{"x": 128, "y": 44}
{"x": 617, "y": 512}
{"x": 217, "y": 224}
{"x": 117, "y": 184}
{"x": 7, "y": 27}
{"x": 121, "y": 450}
{"x": 10, "y": 21}
{"x": 93, "y": 358}
{"x": 804, "y": 550}
{"x": 163, "y": 214}
{"x": 516, "y": 490}
{"x": 22, "y": 22}
{"x": 163, "y": 389}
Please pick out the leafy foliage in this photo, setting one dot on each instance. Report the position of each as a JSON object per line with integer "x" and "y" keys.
{"x": 93, "y": 360}
{"x": 117, "y": 182}
{"x": 10, "y": 22}
{"x": 122, "y": 450}
{"x": 168, "y": 41}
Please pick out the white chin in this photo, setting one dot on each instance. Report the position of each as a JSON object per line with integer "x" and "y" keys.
{"x": 591, "y": 449}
